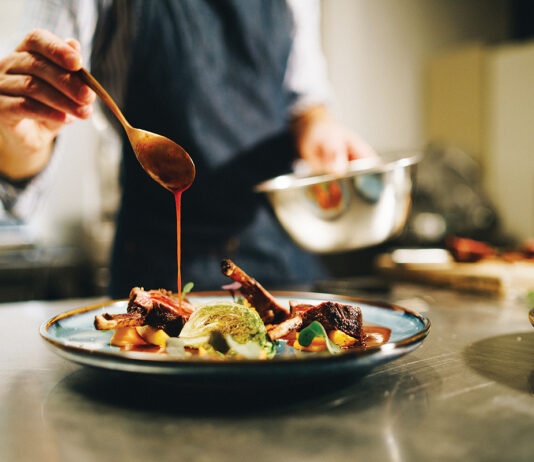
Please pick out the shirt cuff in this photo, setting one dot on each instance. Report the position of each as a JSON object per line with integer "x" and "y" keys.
{"x": 19, "y": 198}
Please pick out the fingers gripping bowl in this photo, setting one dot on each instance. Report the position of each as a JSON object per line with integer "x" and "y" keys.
{"x": 332, "y": 213}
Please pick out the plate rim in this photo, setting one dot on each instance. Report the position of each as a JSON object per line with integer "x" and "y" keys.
{"x": 153, "y": 359}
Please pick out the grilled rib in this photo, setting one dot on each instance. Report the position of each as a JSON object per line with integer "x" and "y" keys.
{"x": 264, "y": 303}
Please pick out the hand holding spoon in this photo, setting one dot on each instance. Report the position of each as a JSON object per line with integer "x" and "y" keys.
{"x": 164, "y": 160}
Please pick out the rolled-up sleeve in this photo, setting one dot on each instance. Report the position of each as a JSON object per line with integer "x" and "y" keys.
{"x": 307, "y": 77}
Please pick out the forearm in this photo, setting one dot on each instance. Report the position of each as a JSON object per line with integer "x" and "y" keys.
{"x": 23, "y": 155}
{"x": 301, "y": 118}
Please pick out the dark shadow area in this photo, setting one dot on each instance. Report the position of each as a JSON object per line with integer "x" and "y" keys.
{"x": 353, "y": 263}
{"x": 362, "y": 286}
{"x": 507, "y": 359}
{"x": 522, "y": 26}
{"x": 167, "y": 395}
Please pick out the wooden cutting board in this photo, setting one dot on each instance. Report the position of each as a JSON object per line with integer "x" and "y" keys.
{"x": 490, "y": 276}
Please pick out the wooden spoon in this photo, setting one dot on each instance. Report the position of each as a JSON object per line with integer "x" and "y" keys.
{"x": 164, "y": 160}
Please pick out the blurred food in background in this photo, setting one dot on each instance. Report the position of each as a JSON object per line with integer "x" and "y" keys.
{"x": 465, "y": 265}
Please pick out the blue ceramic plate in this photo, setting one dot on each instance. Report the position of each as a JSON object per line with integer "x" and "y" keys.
{"x": 73, "y": 337}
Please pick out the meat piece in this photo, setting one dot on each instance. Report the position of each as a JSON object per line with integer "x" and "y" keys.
{"x": 278, "y": 331}
{"x": 143, "y": 302}
{"x": 466, "y": 250}
{"x": 156, "y": 308}
{"x": 528, "y": 248}
{"x": 346, "y": 318}
{"x": 264, "y": 303}
{"x": 108, "y": 321}
{"x": 332, "y": 316}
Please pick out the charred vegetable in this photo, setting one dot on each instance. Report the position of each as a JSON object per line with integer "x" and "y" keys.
{"x": 239, "y": 322}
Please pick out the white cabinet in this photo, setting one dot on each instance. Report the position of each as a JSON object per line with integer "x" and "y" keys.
{"x": 482, "y": 100}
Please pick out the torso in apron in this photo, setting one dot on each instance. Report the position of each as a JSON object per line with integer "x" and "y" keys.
{"x": 209, "y": 75}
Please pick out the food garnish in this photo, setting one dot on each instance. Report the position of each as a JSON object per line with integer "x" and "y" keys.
{"x": 315, "y": 331}
{"x": 186, "y": 289}
{"x": 327, "y": 195}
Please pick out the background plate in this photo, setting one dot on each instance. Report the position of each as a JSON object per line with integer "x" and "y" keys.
{"x": 73, "y": 336}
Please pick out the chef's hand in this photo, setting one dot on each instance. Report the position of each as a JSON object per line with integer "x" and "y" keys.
{"x": 324, "y": 144}
{"x": 39, "y": 94}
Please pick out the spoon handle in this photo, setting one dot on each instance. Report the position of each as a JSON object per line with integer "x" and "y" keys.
{"x": 104, "y": 96}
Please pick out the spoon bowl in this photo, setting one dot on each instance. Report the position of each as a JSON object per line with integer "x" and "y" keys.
{"x": 164, "y": 160}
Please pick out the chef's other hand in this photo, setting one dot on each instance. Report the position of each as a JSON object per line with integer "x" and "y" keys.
{"x": 324, "y": 144}
{"x": 39, "y": 94}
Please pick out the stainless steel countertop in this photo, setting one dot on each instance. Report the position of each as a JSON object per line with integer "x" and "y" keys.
{"x": 465, "y": 394}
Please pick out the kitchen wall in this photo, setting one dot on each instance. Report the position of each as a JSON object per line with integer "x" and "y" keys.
{"x": 509, "y": 135}
{"x": 376, "y": 50}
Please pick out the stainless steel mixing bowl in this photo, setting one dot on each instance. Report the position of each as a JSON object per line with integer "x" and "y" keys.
{"x": 332, "y": 213}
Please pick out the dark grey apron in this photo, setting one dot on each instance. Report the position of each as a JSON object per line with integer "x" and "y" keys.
{"x": 209, "y": 75}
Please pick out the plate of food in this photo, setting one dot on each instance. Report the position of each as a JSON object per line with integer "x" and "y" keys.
{"x": 243, "y": 334}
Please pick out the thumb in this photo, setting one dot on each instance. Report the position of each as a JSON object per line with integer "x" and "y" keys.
{"x": 358, "y": 148}
{"x": 74, "y": 44}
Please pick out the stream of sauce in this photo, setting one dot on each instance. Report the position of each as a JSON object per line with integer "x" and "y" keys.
{"x": 178, "y": 201}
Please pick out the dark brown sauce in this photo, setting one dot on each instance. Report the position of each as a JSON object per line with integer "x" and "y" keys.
{"x": 375, "y": 336}
{"x": 143, "y": 348}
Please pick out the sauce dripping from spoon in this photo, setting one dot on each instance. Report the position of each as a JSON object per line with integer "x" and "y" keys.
{"x": 165, "y": 161}
{"x": 178, "y": 202}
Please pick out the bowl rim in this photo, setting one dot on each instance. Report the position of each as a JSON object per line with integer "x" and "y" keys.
{"x": 385, "y": 161}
